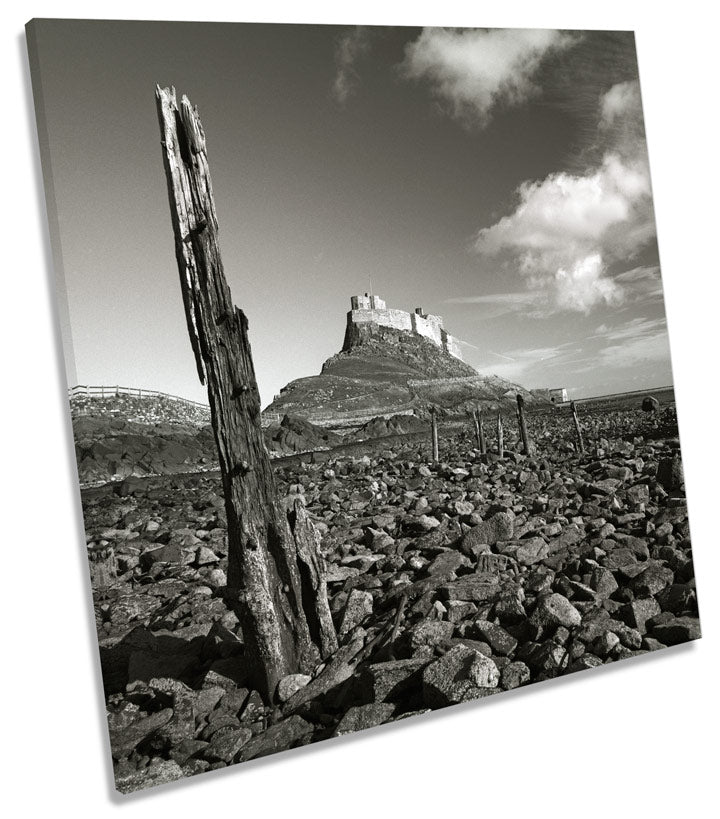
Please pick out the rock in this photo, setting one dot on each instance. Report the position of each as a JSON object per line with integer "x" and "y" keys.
{"x": 430, "y": 633}
{"x": 605, "y": 643}
{"x": 531, "y": 551}
{"x": 498, "y": 527}
{"x": 637, "y": 613}
{"x": 338, "y": 574}
{"x": 278, "y": 737}
{"x": 458, "y": 610}
{"x": 225, "y": 746}
{"x": 508, "y": 608}
{"x": 447, "y": 562}
{"x": 670, "y": 474}
{"x": 425, "y": 523}
{"x": 483, "y": 672}
{"x": 158, "y": 772}
{"x": 290, "y": 684}
{"x": 360, "y": 717}
{"x": 584, "y": 663}
{"x": 216, "y": 578}
{"x": 253, "y": 709}
{"x": 555, "y": 610}
{"x": 472, "y": 587}
{"x": 499, "y": 639}
{"x": 677, "y": 598}
{"x": 461, "y": 674}
{"x": 186, "y": 749}
{"x": 357, "y": 608}
{"x": 653, "y": 580}
{"x": 124, "y": 741}
{"x": 638, "y": 494}
{"x": 677, "y": 630}
{"x": 391, "y": 680}
{"x": 544, "y": 659}
{"x": 514, "y": 675}
{"x": 603, "y": 582}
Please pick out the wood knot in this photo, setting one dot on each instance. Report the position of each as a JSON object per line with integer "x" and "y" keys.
{"x": 243, "y": 468}
{"x": 194, "y": 232}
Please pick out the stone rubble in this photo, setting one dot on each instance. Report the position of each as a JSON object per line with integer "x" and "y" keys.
{"x": 447, "y": 582}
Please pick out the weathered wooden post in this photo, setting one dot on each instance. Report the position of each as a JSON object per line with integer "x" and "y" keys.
{"x": 478, "y": 431}
{"x": 265, "y": 587}
{"x": 434, "y": 434}
{"x": 481, "y": 427}
{"x": 578, "y": 430}
{"x": 523, "y": 425}
{"x": 500, "y": 437}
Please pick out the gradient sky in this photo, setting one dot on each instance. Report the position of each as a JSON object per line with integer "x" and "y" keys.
{"x": 496, "y": 177}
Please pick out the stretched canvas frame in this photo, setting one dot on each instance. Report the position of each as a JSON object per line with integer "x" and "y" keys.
{"x": 468, "y": 590}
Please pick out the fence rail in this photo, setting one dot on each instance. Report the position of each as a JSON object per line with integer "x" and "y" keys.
{"x": 617, "y": 396}
{"x": 104, "y": 391}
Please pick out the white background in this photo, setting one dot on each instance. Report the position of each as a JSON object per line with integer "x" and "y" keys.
{"x": 637, "y": 736}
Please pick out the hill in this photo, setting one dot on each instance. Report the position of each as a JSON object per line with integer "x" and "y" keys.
{"x": 383, "y": 371}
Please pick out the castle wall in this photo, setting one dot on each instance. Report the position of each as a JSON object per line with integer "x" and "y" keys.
{"x": 428, "y": 326}
{"x": 451, "y": 345}
{"x": 369, "y": 309}
{"x": 399, "y": 319}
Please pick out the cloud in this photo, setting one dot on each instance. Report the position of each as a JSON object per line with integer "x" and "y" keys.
{"x": 642, "y": 283}
{"x": 531, "y": 367}
{"x": 474, "y": 70}
{"x": 567, "y": 228}
{"x": 582, "y": 286}
{"x": 348, "y": 51}
{"x": 500, "y": 304}
{"x": 618, "y": 101}
{"x": 640, "y": 341}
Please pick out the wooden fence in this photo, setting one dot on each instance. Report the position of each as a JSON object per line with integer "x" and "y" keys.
{"x": 134, "y": 392}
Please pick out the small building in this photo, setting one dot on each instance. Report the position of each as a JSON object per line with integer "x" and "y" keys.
{"x": 558, "y": 395}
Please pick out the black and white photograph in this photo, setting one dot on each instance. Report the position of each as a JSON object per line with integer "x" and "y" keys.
{"x": 368, "y": 371}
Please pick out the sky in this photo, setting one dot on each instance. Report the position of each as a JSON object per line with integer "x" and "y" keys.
{"x": 497, "y": 177}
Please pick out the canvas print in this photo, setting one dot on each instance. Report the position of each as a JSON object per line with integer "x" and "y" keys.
{"x": 368, "y": 371}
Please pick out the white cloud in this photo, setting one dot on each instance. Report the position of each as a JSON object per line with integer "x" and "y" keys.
{"x": 348, "y": 51}
{"x": 472, "y": 71}
{"x": 567, "y": 228}
{"x": 582, "y": 286}
{"x": 620, "y": 100}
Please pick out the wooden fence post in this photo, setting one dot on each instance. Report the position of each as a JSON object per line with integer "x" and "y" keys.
{"x": 500, "y": 437}
{"x": 434, "y": 433}
{"x": 476, "y": 424}
{"x": 578, "y": 429}
{"x": 522, "y": 424}
{"x": 265, "y": 587}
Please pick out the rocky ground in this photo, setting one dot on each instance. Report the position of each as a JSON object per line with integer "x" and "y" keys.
{"x": 448, "y": 582}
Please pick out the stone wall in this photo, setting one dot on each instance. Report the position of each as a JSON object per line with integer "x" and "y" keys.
{"x": 389, "y": 317}
{"x": 429, "y": 326}
{"x": 452, "y": 345}
{"x": 150, "y": 410}
{"x": 371, "y": 310}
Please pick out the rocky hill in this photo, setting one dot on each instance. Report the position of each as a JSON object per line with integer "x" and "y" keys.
{"x": 382, "y": 371}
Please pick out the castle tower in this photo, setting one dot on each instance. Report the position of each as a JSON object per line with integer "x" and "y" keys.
{"x": 367, "y": 302}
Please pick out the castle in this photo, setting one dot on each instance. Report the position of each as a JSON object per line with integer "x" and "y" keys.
{"x": 368, "y": 311}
